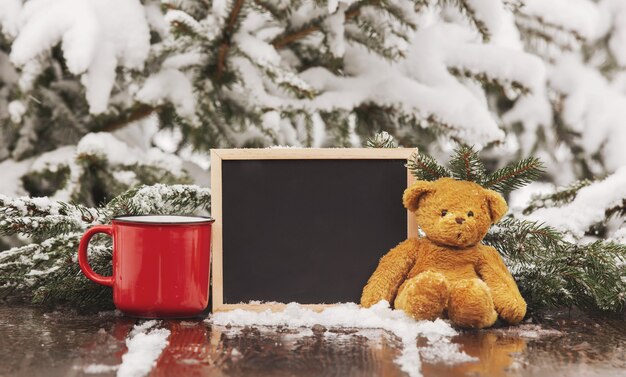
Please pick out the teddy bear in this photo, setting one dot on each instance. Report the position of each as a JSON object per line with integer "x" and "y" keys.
{"x": 449, "y": 271}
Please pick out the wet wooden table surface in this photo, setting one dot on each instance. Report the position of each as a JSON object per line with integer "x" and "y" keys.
{"x": 35, "y": 343}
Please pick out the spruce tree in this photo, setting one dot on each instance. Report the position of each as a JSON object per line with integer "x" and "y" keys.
{"x": 97, "y": 98}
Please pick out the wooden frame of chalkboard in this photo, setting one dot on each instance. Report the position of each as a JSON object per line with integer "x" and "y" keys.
{"x": 218, "y": 156}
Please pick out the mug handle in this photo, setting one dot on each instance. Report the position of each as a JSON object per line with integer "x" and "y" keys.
{"x": 83, "y": 261}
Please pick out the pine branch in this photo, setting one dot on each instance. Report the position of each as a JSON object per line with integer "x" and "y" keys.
{"x": 291, "y": 36}
{"x": 515, "y": 175}
{"x": 521, "y": 239}
{"x": 466, "y": 9}
{"x": 160, "y": 199}
{"x": 552, "y": 272}
{"x": 45, "y": 226}
{"x": 382, "y": 140}
{"x": 276, "y": 12}
{"x": 518, "y": 88}
{"x": 424, "y": 167}
{"x": 227, "y": 35}
{"x": 43, "y": 217}
{"x": 557, "y": 198}
{"x": 141, "y": 111}
{"x": 47, "y": 272}
{"x": 23, "y": 268}
{"x": 466, "y": 165}
{"x": 68, "y": 286}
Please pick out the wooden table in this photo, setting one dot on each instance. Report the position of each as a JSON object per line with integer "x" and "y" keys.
{"x": 35, "y": 343}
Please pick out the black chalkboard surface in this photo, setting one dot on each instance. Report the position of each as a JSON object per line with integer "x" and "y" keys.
{"x": 303, "y": 225}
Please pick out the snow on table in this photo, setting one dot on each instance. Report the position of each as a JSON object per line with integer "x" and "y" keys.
{"x": 145, "y": 342}
{"x": 350, "y": 315}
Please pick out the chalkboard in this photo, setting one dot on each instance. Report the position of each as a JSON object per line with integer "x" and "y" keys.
{"x": 303, "y": 225}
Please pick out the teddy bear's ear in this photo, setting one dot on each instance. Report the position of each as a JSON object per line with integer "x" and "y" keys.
{"x": 497, "y": 205}
{"x": 413, "y": 194}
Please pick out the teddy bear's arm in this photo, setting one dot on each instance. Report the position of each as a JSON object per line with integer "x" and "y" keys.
{"x": 506, "y": 296}
{"x": 390, "y": 273}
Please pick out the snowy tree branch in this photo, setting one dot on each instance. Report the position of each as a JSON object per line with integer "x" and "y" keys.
{"x": 226, "y": 43}
{"x": 287, "y": 38}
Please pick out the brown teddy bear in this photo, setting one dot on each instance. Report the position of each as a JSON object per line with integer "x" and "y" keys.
{"x": 449, "y": 269}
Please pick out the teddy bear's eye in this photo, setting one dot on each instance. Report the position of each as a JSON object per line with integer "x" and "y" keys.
{"x": 470, "y": 214}
{"x": 444, "y": 212}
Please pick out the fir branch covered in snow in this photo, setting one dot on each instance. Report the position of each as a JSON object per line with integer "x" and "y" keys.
{"x": 382, "y": 140}
{"x": 214, "y": 72}
{"x": 580, "y": 207}
{"x": 554, "y": 272}
{"x": 160, "y": 200}
{"x": 47, "y": 271}
{"x": 99, "y": 168}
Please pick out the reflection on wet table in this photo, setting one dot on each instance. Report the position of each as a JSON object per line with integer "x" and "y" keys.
{"x": 35, "y": 343}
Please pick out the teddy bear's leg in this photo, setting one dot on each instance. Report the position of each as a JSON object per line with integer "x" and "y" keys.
{"x": 424, "y": 296}
{"x": 470, "y": 304}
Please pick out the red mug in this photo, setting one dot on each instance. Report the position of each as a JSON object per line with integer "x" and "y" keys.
{"x": 160, "y": 264}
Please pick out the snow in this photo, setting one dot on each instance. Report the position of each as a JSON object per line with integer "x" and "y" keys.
{"x": 54, "y": 160}
{"x": 145, "y": 344}
{"x": 40, "y": 273}
{"x": 581, "y": 16}
{"x": 419, "y": 86}
{"x": 333, "y": 5}
{"x": 350, "y": 315}
{"x": 117, "y": 152}
{"x": 593, "y": 109}
{"x": 533, "y": 111}
{"x": 520, "y": 198}
{"x": 9, "y": 14}
{"x": 179, "y": 61}
{"x": 258, "y": 50}
{"x": 16, "y": 111}
{"x": 126, "y": 177}
{"x": 588, "y": 207}
{"x": 169, "y": 85}
{"x": 271, "y": 121}
{"x": 489, "y": 12}
{"x": 161, "y": 198}
{"x": 12, "y": 171}
{"x": 614, "y": 22}
{"x": 335, "y": 26}
{"x": 96, "y": 36}
{"x": 177, "y": 16}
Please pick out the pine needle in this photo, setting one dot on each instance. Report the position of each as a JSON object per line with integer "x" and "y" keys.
{"x": 467, "y": 166}
{"x": 514, "y": 176}
{"x": 424, "y": 167}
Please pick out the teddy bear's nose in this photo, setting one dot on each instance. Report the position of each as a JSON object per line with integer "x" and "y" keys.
{"x": 460, "y": 220}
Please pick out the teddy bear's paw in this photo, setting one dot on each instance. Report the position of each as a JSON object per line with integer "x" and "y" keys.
{"x": 471, "y": 305}
{"x": 367, "y": 300}
{"x": 423, "y": 297}
{"x": 514, "y": 312}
